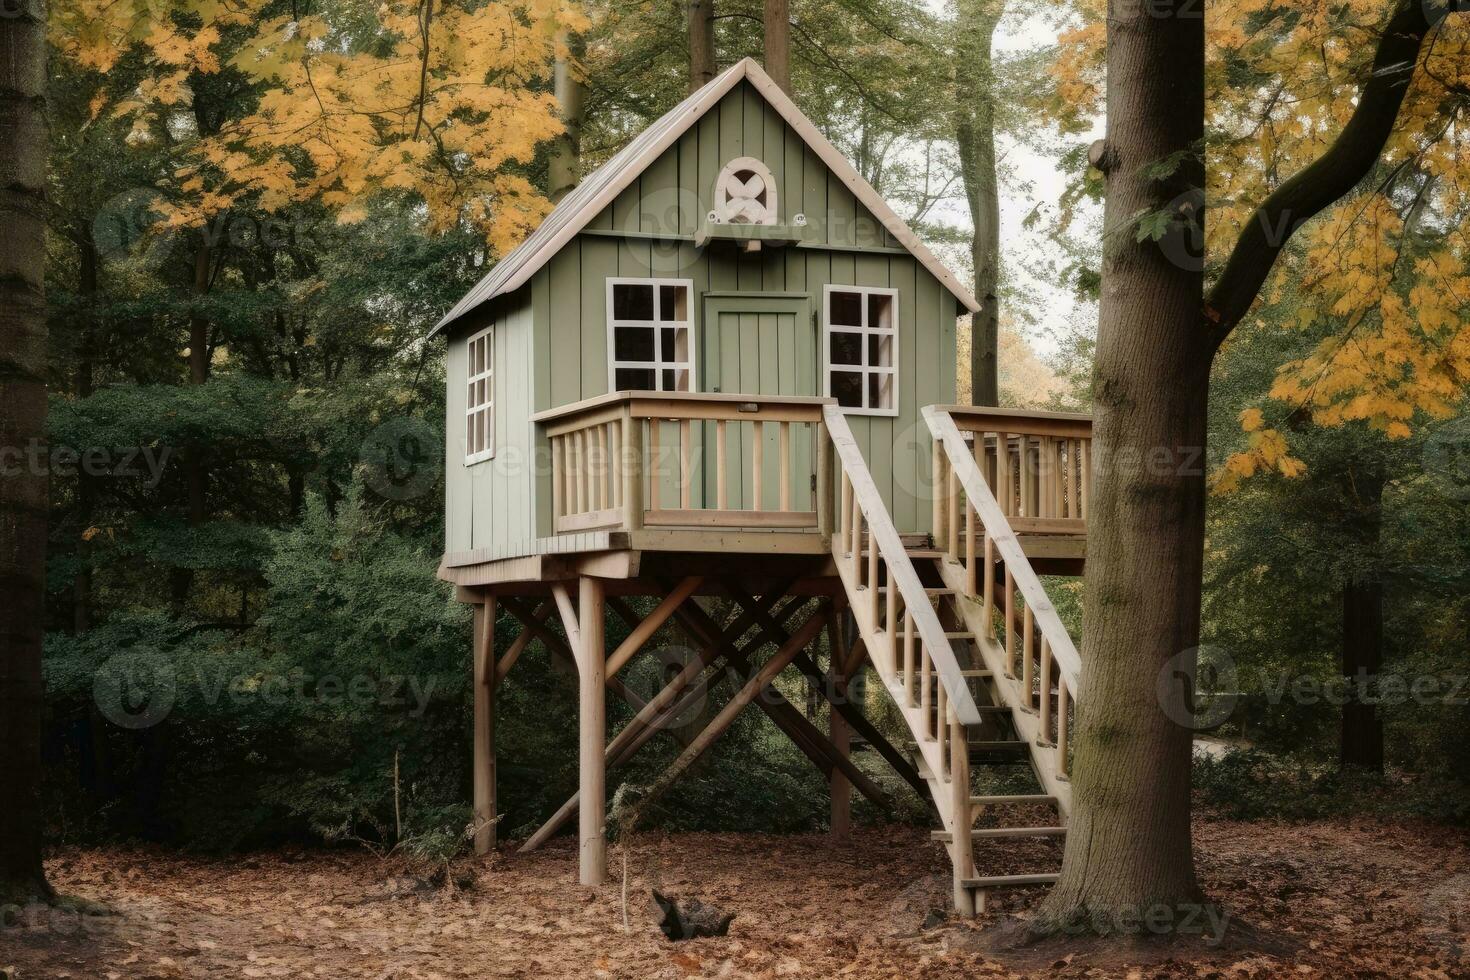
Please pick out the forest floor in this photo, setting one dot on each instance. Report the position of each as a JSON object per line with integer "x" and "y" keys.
{"x": 1338, "y": 899}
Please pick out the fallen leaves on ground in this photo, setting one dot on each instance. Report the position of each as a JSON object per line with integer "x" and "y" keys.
{"x": 1339, "y": 900}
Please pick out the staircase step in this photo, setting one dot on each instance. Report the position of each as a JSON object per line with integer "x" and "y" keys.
{"x": 959, "y": 635}
{"x": 919, "y": 553}
{"x": 1019, "y": 748}
{"x": 1011, "y": 881}
{"x": 983, "y": 833}
{"x": 930, "y": 592}
{"x": 977, "y": 673}
{"x": 1013, "y": 798}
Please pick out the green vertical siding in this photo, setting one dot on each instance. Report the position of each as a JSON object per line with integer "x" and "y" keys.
{"x": 553, "y": 340}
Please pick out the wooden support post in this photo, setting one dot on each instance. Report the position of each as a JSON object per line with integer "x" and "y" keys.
{"x": 630, "y": 473}
{"x": 593, "y": 714}
{"x": 961, "y": 846}
{"x": 666, "y": 705}
{"x": 484, "y": 737}
{"x": 839, "y": 732}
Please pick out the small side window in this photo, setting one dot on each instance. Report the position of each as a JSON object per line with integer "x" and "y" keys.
{"x": 860, "y": 345}
{"x": 479, "y": 441}
{"x": 650, "y": 345}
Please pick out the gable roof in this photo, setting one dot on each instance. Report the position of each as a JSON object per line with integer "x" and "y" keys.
{"x": 597, "y": 190}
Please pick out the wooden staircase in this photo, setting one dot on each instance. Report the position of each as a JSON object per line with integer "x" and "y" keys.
{"x": 962, "y": 635}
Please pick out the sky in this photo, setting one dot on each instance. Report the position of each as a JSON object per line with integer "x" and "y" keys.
{"x": 1030, "y": 179}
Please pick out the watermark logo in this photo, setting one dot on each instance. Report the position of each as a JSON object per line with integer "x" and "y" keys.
{"x": 402, "y": 459}
{"x": 1198, "y": 687}
{"x": 656, "y": 672}
{"x": 135, "y": 689}
{"x": 1447, "y": 459}
{"x": 130, "y": 227}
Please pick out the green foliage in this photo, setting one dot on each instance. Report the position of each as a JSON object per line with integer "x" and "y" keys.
{"x": 1256, "y": 785}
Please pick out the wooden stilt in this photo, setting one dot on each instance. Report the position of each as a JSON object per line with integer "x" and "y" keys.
{"x": 666, "y": 705}
{"x": 593, "y": 783}
{"x": 484, "y": 731}
{"x": 518, "y": 646}
{"x": 839, "y": 732}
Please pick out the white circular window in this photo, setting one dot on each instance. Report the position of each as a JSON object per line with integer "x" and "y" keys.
{"x": 745, "y": 193}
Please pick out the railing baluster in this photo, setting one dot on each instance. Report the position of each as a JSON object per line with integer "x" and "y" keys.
{"x": 890, "y": 619}
{"x": 558, "y": 474}
{"x": 604, "y": 493}
{"x": 785, "y": 467}
{"x": 989, "y": 587}
{"x": 952, "y": 498}
{"x": 926, "y": 675}
{"x": 937, "y": 491}
{"x": 1045, "y": 690}
{"x": 1009, "y": 627}
{"x": 758, "y": 463}
{"x": 941, "y": 731}
{"x": 722, "y": 472}
{"x": 1064, "y": 715}
{"x": 873, "y": 579}
{"x": 1028, "y": 654}
{"x": 655, "y": 464}
{"x": 908, "y": 659}
{"x": 971, "y": 571}
{"x": 686, "y": 466}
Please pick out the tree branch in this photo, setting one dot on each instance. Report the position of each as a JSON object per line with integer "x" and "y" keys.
{"x": 1332, "y": 175}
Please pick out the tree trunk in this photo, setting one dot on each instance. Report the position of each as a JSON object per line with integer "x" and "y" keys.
{"x": 1128, "y": 842}
{"x": 196, "y": 477}
{"x": 975, "y": 142}
{"x": 701, "y": 43}
{"x": 82, "y": 583}
{"x": 778, "y": 43}
{"x": 1362, "y": 634}
{"x": 564, "y": 169}
{"x": 23, "y": 490}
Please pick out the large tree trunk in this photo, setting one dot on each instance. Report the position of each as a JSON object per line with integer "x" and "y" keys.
{"x": 565, "y": 166}
{"x": 1128, "y": 842}
{"x": 23, "y": 488}
{"x": 1362, "y": 632}
{"x": 975, "y": 141}
{"x": 778, "y": 43}
{"x": 701, "y": 43}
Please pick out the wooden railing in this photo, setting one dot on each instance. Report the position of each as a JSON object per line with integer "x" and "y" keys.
{"x": 1032, "y": 657}
{"x": 675, "y": 459}
{"x": 1036, "y": 464}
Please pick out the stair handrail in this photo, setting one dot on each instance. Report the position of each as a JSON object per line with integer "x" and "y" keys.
{"x": 884, "y": 536}
{"x": 957, "y": 451}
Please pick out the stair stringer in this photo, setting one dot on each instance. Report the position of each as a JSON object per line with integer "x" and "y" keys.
{"x": 1023, "y": 715}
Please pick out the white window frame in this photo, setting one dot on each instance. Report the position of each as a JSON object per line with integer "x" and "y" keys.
{"x": 658, "y": 365}
{"x": 487, "y": 408}
{"x": 865, "y": 331}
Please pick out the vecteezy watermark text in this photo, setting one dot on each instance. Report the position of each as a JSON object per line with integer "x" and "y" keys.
{"x": 39, "y": 459}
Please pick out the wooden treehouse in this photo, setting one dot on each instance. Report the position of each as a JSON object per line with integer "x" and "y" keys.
{"x": 723, "y": 367}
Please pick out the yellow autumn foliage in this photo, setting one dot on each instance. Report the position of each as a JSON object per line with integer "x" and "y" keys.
{"x": 442, "y": 100}
{"x": 1282, "y": 79}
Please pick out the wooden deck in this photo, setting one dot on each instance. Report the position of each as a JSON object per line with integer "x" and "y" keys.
{"x": 699, "y": 476}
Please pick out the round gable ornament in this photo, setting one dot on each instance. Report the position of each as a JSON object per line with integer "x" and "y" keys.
{"x": 745, "y": 193}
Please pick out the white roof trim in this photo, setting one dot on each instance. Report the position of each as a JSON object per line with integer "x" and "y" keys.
{"x": 602, "y": 187}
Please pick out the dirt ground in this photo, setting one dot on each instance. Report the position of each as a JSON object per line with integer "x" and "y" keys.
{"x": 1333, "y": 899}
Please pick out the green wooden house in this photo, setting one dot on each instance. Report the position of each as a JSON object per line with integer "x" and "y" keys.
{"x": 724, "y": 366}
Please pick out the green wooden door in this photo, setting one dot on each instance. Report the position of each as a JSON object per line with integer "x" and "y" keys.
{"x": 757, "y": 344}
